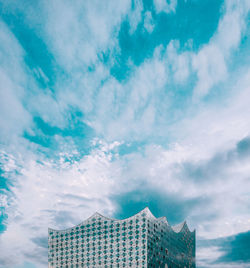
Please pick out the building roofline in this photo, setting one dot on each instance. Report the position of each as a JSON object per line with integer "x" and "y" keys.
{"x": 176, "y": 228}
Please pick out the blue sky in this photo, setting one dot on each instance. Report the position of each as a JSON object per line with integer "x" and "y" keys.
{"x": 112, "y": 106}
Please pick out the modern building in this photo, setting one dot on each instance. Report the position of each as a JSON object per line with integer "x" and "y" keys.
{"x": 139, "y": 241}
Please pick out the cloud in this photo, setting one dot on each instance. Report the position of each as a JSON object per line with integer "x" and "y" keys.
{"x": 236, "y": 248}
{"x": 215, "y": 189}
{"x": 167, "y": 6}
{"x": 93, "y": 90}
{"x": 75, "y": 36}
{"x": 149, "y": 22}
{"x": 211, "y": 69}
{"x": 179, "y": 62}
{"x": 211, "y": 61}
{"x": 159, "y": 202}
{"x": 135, "y": 15}
{"x": 161, "y": 77}
{"x": 37, "y": 200}
{"x": 77, "y": 33}
{"x": 219, "y": 125}
{"x": 131, "y": 103}
{"x": 209, "y": 159}
{"x": 14, "y": 116}
{"x": 22, "y": 98}
{"x": 51, "y": 193}
{"x": 226, "y": 252}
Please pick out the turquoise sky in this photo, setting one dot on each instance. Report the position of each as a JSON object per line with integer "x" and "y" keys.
{"x": 112, "y": 106}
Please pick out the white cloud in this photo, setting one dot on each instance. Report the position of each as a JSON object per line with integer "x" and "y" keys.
{"x": 77, "y": 33}
{"x": 13, "y": 115}
{"x": 212, "y": 131}
{"x": 135, "y": 15}
{"x": 57, "y": 115}
{"x": 207, "y": 256}
{"x": 204, "y": 164}
{"x": 132, "y": 103}
{"x": 75, "y": 37}
{"x": 211, "y": 69}
{"x": 179, "y": 63}
{"x": 210, "y": 62}
{"x": 165, "y": 5}
{"x": 149, "y": 22}
{"x": 54, "y": 194}
{"x": 149, "y": 86}
{"x": 217, "y": 126}
{"x": 71, "y": 30}
{"x": 232, "y": 26}
{"x": 61, "y": 194}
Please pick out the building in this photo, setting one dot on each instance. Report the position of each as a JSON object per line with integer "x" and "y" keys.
{"x": 139, "y": 241}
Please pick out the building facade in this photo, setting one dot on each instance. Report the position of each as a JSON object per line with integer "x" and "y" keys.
{"x": 139, "y": 241}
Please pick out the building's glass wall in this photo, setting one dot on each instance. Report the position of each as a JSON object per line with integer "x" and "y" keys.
{"x": 100, "y": 242}
{"x": 167, "y": 248}
{"x": 139, "y": 241}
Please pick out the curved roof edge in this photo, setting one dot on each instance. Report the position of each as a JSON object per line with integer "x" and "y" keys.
{"x": 177, "y": 228}
{"x": 146, "y": 210}
{"x": 180, "y": 227}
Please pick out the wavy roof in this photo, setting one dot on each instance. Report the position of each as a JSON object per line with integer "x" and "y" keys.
{"x": 176, "y": 228}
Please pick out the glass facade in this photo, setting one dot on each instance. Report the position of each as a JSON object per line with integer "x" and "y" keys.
{"x": 139, "y": 241}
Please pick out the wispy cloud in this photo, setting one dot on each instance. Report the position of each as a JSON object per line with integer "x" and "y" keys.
{"x": 224, "y": 251}
{"x": 148, "y": 22}
{"x": 165, "y": 6}
{"x": 135, "y": 15}
{"x": 211, "y": 61}
{"x": 38, "y": 200}
{"x": 14, "y": 116}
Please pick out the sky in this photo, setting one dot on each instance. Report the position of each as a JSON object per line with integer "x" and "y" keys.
{"x": 112, "y": 106}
